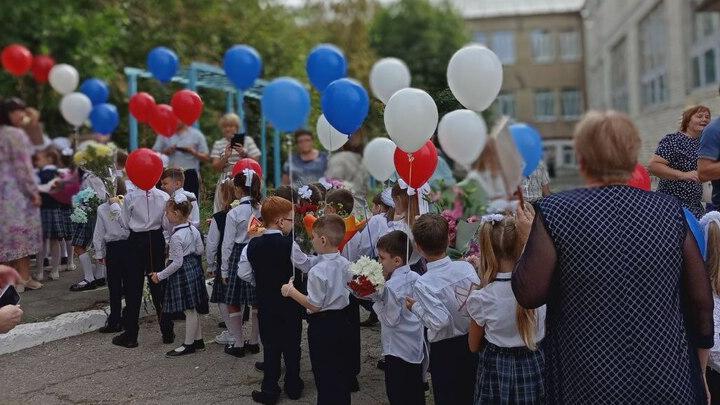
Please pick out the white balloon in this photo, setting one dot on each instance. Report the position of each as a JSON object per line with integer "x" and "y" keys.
{"x": 462, "y": 135}
{"x": 411, "y": 117}
{"x": 475, "y": 76}
{"x": 64, "y": 78}
{"x": 330, "y": 138}
{"x": 378, "y": 158}
{"x": 75, "y": 108}
{"x": 387, "y": 76}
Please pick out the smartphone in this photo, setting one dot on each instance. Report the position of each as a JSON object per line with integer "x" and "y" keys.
{"x": 238, "y": 140}
{"x": 9, "y": 296}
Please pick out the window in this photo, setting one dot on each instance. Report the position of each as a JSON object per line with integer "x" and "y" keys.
{"x": 570, "y": 46}
{"x": 505, "y": 105}
{"x": 653, "y": 69}
{"x": 568, "y": 155}
{"x": 571, "y": 104}
{"x": 618, "y": 77}
{"x": 705, "y": 49}
{"x": 544, "y": 105}
{"x": 503, "y": 44}
{"x": 543, "y": 46}
{"x": 480, "y": 38}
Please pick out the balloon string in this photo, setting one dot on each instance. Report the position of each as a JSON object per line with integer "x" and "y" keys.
{"x": 408, "y": 214}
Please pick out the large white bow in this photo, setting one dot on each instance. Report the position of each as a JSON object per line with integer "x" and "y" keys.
{"x": 421, "y": 192}
{"x": 386, "y": 198}
{"x": 180, "y": 197}
{"x": 249, "y": 173}
{"x": 305, "y": 193}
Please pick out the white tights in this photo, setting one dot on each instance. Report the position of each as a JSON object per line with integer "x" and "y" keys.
{"x": 193, "y": 331}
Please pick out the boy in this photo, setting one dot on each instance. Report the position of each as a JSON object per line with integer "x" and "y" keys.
{"x": 172, "y": 182}
{"x": 328, "y": 296}
{"x": 438, "y": 300}
{"x": 403, "y": 341}
{"x": 265, "y": 262}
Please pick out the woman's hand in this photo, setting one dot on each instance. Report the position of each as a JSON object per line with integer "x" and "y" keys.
{"x": 35, "y": 199}
{"x": 169, "y": 151}
{"x": 691, "y": 176}
{"x": 10, "y": 316}
{"x": 523, "y": 221}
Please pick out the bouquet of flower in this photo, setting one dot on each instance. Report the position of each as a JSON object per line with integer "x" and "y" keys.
{"x": 368, "y": 277}
{"x": 85, "y": 205}
{"x": 99, "y": 160}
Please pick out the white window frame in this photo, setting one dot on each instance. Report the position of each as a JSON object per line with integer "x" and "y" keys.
{"x": 567, "y": 53}
{"x": 550, "y": 94}
{"x": 577, "y": 93}
{"x": 507, "y": 57}
{"x": 541, "y": 39}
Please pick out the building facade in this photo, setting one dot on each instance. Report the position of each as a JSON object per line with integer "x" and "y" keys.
{"x": 651, "y": 59}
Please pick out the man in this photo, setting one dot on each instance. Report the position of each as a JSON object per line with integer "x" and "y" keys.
{"x": 709, "y": 159}
{"x": 186, "y": 149}
{"x": 308, "y": 163}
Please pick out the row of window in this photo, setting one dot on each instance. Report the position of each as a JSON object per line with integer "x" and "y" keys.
{"x": 545, "y": 103}
{"x": 545, "y": 45}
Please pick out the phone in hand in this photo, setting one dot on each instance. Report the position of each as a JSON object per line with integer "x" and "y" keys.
{"x": 238, "y": 140}
{"x": 9, "y": 296}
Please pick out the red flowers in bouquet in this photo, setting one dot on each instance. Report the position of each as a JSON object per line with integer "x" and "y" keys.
{"x": 361, "y": 286}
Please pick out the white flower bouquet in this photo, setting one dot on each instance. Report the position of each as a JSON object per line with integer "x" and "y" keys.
{"x": 367, "y": 279}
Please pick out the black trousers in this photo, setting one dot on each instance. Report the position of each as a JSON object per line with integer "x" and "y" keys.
{"x": 452, "y": 369}
{"x": 404, "y": 382}
{"x": 353, "y": 343}
{"x": 280, "y": 333}
{"x": 713, "y": 382}
{"x": 147, "y": 253}
{"x": 328, "y": 341}
{"x": 117, "y": 262}
{"x": 192, "y": 182}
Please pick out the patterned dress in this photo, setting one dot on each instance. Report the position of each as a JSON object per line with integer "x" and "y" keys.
{"x": 20, "y": 227}
{"x": 681, "y": 153}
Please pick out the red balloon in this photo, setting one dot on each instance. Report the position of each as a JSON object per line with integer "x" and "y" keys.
{"x": 640, "y": 178}
{"x": 41, "y": 66}
{"x": 418, "y": 167}
{"x": 144, "y": 168}
{"x": 247, "y": 163}
{"x": 163, "y": 121}
{"x": 142, "y": 106}
{"x": 16, "y": 59}
{"x": 187, "y": 106}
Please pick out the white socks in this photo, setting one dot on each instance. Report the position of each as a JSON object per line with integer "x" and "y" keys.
{"x": 192, "y": 327}
{"x": 40, "y": 259}
{"x": 100, "y": 271}
{"x": 55, "y": 258}
{"x": 223, "y": 308}
{"x": 70, "y": 253}
{"x": 255, "y": 331}
{"x": 234, "y": 324}
{"x": 87, "y": 267}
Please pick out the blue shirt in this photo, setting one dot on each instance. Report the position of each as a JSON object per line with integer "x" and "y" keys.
{"x": 307, "y": 171}
{"x": 710, "y": 149}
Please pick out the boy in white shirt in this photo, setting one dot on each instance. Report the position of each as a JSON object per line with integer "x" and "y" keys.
{"x": 439, "y": 298}
{"x": 172, "y": 182}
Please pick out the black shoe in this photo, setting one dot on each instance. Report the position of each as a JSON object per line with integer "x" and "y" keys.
{"x": 260, "y": 366}
{"x": 83, "y": 285}
{"x": 296, "y": 393}
{"x": 110, "y": 328}
{"x": 354, "y": 385}
{"x": 252, "y": 349}
{"x": 222, "y": 325}
{"x": 235, "y": 351}
{"x": 199, "y": 344}
{"x": 372, "y": 320}
{"x": 381, "y": 364}
{"x": 263, "y": 397}
{"x": 185, "y": 349}
{"x": 100, "y": 282}
{"x": 124, "y": 341}
{"x": 64, "y": 261}
{"x": 168, "y": 339}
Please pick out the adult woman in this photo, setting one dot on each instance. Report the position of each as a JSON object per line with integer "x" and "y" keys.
{"x": 346, "y": 165}
{"x": 675, "y": 160}
{"x": 20, "y": 228}
{"x": 186, "y": 149}
{"x": 629, "y": 306}
{"x": 308, "y": 163}
{"x": 224, "y": 155}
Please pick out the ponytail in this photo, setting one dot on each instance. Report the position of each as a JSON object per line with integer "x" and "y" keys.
{"x": 254, "y": 191}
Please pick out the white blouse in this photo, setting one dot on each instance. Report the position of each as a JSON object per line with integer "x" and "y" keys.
{"x": 236, "y": 231}
{"x": 364, "y": 242}
{"x": 185, "y": 240}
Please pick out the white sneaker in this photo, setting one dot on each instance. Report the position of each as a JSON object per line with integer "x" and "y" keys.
{"x": 224, "y": 338}
{"x": 55, "y": 275}
{"x": 71, "y": 266}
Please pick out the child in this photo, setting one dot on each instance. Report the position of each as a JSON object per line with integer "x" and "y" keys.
{"x": 711, "y": 225}
{"x": 406, "y": 209}
{"x": 143, "y": 213}
{"x": 226, "y": 195}
{"x": 438, "y": 300}
{"x": 402, "y": 335}
{"x": 111, "y": 248}
{"x": 240, "y": 293}
{"x": 327, "y": 298}
{"x": 506, "y": 334}
{"x": 185, "y": 291}
{"x": 265, "y": 262}
{"x": 172, "y": 182}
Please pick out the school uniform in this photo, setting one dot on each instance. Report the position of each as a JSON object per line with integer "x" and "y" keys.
{"x": 143, "y": 213}
{"x": 110, "y": 240}
{"x": 193, "y": 219}
{"x": 508, "y": 372}
{"x": 441, "y": 297}
{"x": 239, "y": 293}
{"x": 416, "y": 263}
{"x": 214, "y": 255}
{"x": 83, "y": 233}
{"x": 403, "y": 340}
{"x": 55, "y": 216}
{"x": 363, "y": 242}
{"x": 265, "y": 262}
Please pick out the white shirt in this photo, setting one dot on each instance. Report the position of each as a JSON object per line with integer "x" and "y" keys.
{"x": 144, "y": 211}
{"x": 402, "y": 333}
{"x": 441, "y": 294}
{"x": 212, "y": 242}
{"x": 364, "y": 243}
{"x": 236, "y": 230}
{"x": 402, "y": 225}
{"x": 109, "y": 227}
{"x": 184, "y": 241}
{"x": 494, "y": 308}
{"x": 327, "y": 282}
{"x": 714, "y": 361}
{"x": 190, "y": 138}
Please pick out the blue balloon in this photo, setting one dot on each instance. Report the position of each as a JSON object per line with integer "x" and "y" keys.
{"x": 345, "y": 104}
{"x": 697, "y": 231}
{"x": 104, "y": 118}
{"x": 325, "y": 64}
{"x": 96, "y": 90}
{"x": 286, "y": 103}
{"x": 529, "y": 143}
{"x": 242, "y": 66}
{"x": 162, "y": 63}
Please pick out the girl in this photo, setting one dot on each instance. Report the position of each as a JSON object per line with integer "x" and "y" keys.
{"x": 185, "y": 289}
{"x": 711, "y": 225}
{"x": 226, "y": 195}
{"x": 406, "y": 210}
{"x": 240, "y": 293}
{"x": 506, "y": 334}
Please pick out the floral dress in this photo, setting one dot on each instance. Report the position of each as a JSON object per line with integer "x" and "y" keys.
{"x": 20, "y": 228}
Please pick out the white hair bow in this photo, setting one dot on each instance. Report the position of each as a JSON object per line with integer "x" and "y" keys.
{"x": 180, "y": 198}
{"x": 305, "y": 193}
{"x": 492, "y": 218}
{"x": 67, "y": 151}
{"x": 707, "y": 219}
{"x": 249, "y": 173}
{"x": 325, "y": 183}
{"x": 421, "y": 192}
{"x": 386, "y": 198}
{"x": 499, "y": 206}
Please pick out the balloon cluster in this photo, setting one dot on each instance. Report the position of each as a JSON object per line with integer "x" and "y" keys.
{"x": 185, "y": 106}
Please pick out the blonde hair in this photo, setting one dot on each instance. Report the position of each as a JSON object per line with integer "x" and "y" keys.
{"x": 713, "y": 256}
{"x": 227, "y": 194}
{"x": 499, "y": 241}
{"x": 410, "y": 203}
{"x": 230, "y": 119}
{"x": 607, "y": 145}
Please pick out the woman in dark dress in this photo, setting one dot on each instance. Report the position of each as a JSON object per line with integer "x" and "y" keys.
{"x": 629, "y": 305}
{"x": 675, "y": 160}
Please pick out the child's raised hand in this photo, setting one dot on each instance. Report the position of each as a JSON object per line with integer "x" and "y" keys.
{"x": 154, "y": 278}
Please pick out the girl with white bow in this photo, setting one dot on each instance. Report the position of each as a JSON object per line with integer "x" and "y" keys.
{"x": 710, "y": 224}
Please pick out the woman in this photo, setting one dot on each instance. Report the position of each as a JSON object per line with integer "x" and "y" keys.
{"x": 347, "y": 165}
{"x": 20, "y": 228}
{"x": 675, "y": 160}
{"x": 308, "y": 163}
{"x": 185, "y": 150}
{"x": 224, "y": 155}
{"x": 629, "y": 306}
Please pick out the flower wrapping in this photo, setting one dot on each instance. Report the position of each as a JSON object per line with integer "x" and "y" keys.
{"x": 368, "y": 277}
{"x": 85, "y": 204}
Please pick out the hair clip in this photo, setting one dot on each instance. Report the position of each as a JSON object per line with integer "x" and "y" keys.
{"x": 304, "y": 192}
{"x": 67, "y": 152}
{"x": 249, "y": 173}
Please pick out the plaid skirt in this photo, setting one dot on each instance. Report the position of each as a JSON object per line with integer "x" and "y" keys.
{"x": 56, "y": 223}
{"x": 185, "y": 289}
{"x": 83, "y": 235}
{"x": 217, "y": 295}
{"x": 510, "y": 375}
{"x": 238, "y": 292}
